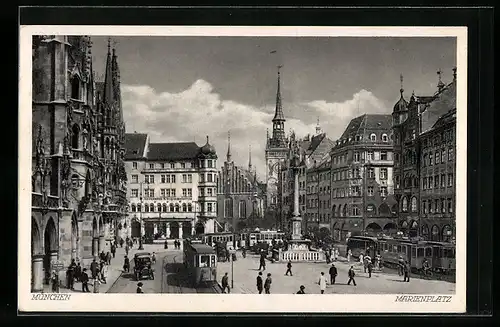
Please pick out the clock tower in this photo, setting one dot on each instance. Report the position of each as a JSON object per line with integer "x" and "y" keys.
{"x": 276, "y": 150}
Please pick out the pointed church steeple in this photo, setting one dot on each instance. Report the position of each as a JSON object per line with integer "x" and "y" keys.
{"x": 250, "y": 158}
{"x": 228, "y": 156}
{"x": 108, "y": 79}
{"x": 278, "y": 114}
{"x": 278, "y": 139}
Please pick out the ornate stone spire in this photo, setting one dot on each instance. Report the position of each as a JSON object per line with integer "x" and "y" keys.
{"x": 250, "y": 158}
{"x": 108, "y": 78}
{"x": 278, "y": 114}
{"x": 228, "y": 156}
{"x": 318, "y": 128}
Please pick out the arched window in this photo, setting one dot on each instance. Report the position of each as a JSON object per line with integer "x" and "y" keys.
{"x": 159, "y": 207}
{"x": 177, "y": 208}
{"x": 139, "y": 208}
{"x": 404, "y": 204}
{"x": 171, "y": 207}
{"x": 164, "y": 207}
{"x": 132, "y": 208}
{"x": 345, "y": 210}
{"x": 355, "y": 211}
{"x": 373, "y": 137}
{"x": 146, "y": 208}
{"x": 435, "y": 233}
{"x": 184, "y": 207}
{"x": 75, "y": 88}
{"x": 106, "y": 144}
{"x": 334, "y": 211}
{"x": 75, "y": 138}
{"x": 190, "y": 207}
{"x": 152, "y": 207}
{"x": 385, "y": 138}
{"x": 425, "y": 232}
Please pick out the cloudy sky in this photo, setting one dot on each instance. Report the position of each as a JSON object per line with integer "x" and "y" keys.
{"x": 184, "y": 88}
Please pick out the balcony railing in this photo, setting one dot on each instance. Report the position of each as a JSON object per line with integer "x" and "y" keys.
{"x": 37, "y": 201}
{"x": 82, "y": 155}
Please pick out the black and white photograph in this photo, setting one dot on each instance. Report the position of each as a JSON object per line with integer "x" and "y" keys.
{"x": 255, "y": 161}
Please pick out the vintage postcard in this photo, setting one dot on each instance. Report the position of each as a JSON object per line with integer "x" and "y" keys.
{"x": 232, "y": 169}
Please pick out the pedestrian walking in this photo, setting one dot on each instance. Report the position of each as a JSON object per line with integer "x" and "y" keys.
{"x": 121, "y": 242}
{"x": 113, "y": 250}
{"x": 78, "y": 272}
{"x": 336, "y": 254}
{"x": 85, "y": 280}
{"x": 322, "y": 282}
{"x": 102, "y": 256}
{"x": 289, "y": 268}
{"x": 351, "y": 276}
{"x": 259, "y": 283}
{"x": 333, "y": 274}
{"x": 70, "y": 277}
{"x": 262, "y": 262}
{"x": 126, "y": 264}
{"x": 267, "y": 284}
{"x": 165, "y": 246}
{"x": 126, "y": 249}
{"x": 225, "y": 284}
{"x": 108, "y": 258}
{"x": 369, "y": 266}
{"x": 349, "y": 255}
{"x": 139, "y": 288}
{"x": 406, "y": 271}
{"x": 55, "y": 282}
{"x": 301, "y": 290}
{"x": 401, "y": 264}
{"x": 361, "y": 261}
{"x": 97, "y": 283}
{"x": 94, "y": 268}
{"x": 104, "y": 273}
{"x": 153, "y": 258}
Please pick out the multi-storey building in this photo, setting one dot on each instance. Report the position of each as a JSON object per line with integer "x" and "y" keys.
{"x": 78, "y": 181}
{"x": 424, "y": 167}
{"x": 361, "y": 178}
{"x": 318, "y": 212}
{"x": 171, "y": 189}
{"x": 240, "y": 196}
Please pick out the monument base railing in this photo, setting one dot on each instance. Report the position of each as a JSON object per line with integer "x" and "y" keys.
{"x": 301, "y": 256}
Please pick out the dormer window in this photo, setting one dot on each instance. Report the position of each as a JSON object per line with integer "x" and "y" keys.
{"x": 373, "y": 137}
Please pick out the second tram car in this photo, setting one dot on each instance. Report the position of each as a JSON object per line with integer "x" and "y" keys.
{"x": 266, "y": 236}
{"x": 362, "y": 245}
{"x": 200, "y": 261}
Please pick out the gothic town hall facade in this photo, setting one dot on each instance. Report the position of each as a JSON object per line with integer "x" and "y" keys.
{"x": 78, "y": 174}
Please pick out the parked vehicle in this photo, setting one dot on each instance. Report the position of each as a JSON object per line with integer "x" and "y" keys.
{"x": 143, "y": 266}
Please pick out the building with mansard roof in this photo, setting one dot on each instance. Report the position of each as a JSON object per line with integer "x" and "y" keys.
{"x": 78, "y": 180}
{"x": 171, "y": 189}
{"x": 361, "y": 179}
{"x": 240, "y": 195}
{"x": 425, "y": 163}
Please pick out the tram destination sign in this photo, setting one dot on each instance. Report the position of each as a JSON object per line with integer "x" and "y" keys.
{"x": 57, "y": 265}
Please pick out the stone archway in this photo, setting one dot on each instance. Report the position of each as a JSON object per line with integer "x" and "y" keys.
{"x": 373, "y": 228}
{"x": 390, "y": 228}
{"x": 174, "y": 230}
{"x": 199, "y": 228}
{"x": 75, "y": 239}
{"x": 50, "y": 247}
{"x": 36, "y": 258}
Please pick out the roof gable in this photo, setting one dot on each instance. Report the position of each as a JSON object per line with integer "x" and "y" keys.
{"x": 172, "y": 151}
{"x": 134, "y": 145}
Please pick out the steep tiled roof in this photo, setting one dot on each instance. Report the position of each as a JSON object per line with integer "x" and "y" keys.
{"x": 134, "y": 145}
{"x": 172, "y": 151}
{"x": 366, "y": 123}
{"x": 445, "y": 101}
{"x": 315, "y": 141}
{"x": 448, "y": 117}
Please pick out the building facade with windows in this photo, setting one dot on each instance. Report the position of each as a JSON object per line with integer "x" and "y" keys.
{"x": 424, "y": 167}
{"x": 362, "y": 200}
{"x": 240, "y": 196}
{"x": 318, "y": 212}
{"x": 78, "y": 174}
{"x": 171, "y": 189}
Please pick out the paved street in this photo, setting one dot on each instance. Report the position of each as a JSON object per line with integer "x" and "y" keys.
{"x": 307, "y": 274}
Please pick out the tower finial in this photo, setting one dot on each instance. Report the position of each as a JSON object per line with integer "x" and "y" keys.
{"x": 440, "y": 84}
{"x": 318, "y": 128}
{"x": 401, "y": 90}
{"x": 228, "y": 156}
{"x": 250, "y": 157}
{"x": 109, "y": 44}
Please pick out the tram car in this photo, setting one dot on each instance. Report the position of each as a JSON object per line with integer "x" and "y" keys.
{"x": 227, "y": 238}
{"x": 363, "y": 245}
{"x": 439, "y": 255}
{"x": 393, "y": 251}
{"x": 266, "y": 236}
{"x": 200, "y": 261}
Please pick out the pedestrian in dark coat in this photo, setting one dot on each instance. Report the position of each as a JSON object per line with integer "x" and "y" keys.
{"x": 126, "y": 264}
{"x": 85, "y": 281}
{"x": 78, "y": 272}
{"x": 370, "y": 269}
{"x": 351, "y": 276}
{"x": 113, "y": 250}
{"x": 262, "y": 262}
{"x": 55, "y": 282}
{"x": 139, "y": 288}
{"x": 121, "y": 242}
{"x": 108, "y": 258}
{"x": 94, "y": 268}
{"x": 102, "y": 256}
{"x": 267, "y": 284}
{"x": 333, "y": 274}
{"x": 260, "y": 283}
{"x": 225, "y": 284}
{"x": 406, "y": 270}
{"x": 70, "y": 277}
{"x": 301, "y": 291}
{"x": 289, "y": 268}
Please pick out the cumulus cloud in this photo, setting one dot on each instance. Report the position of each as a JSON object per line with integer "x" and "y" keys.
{"x": 198, "y": 111}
